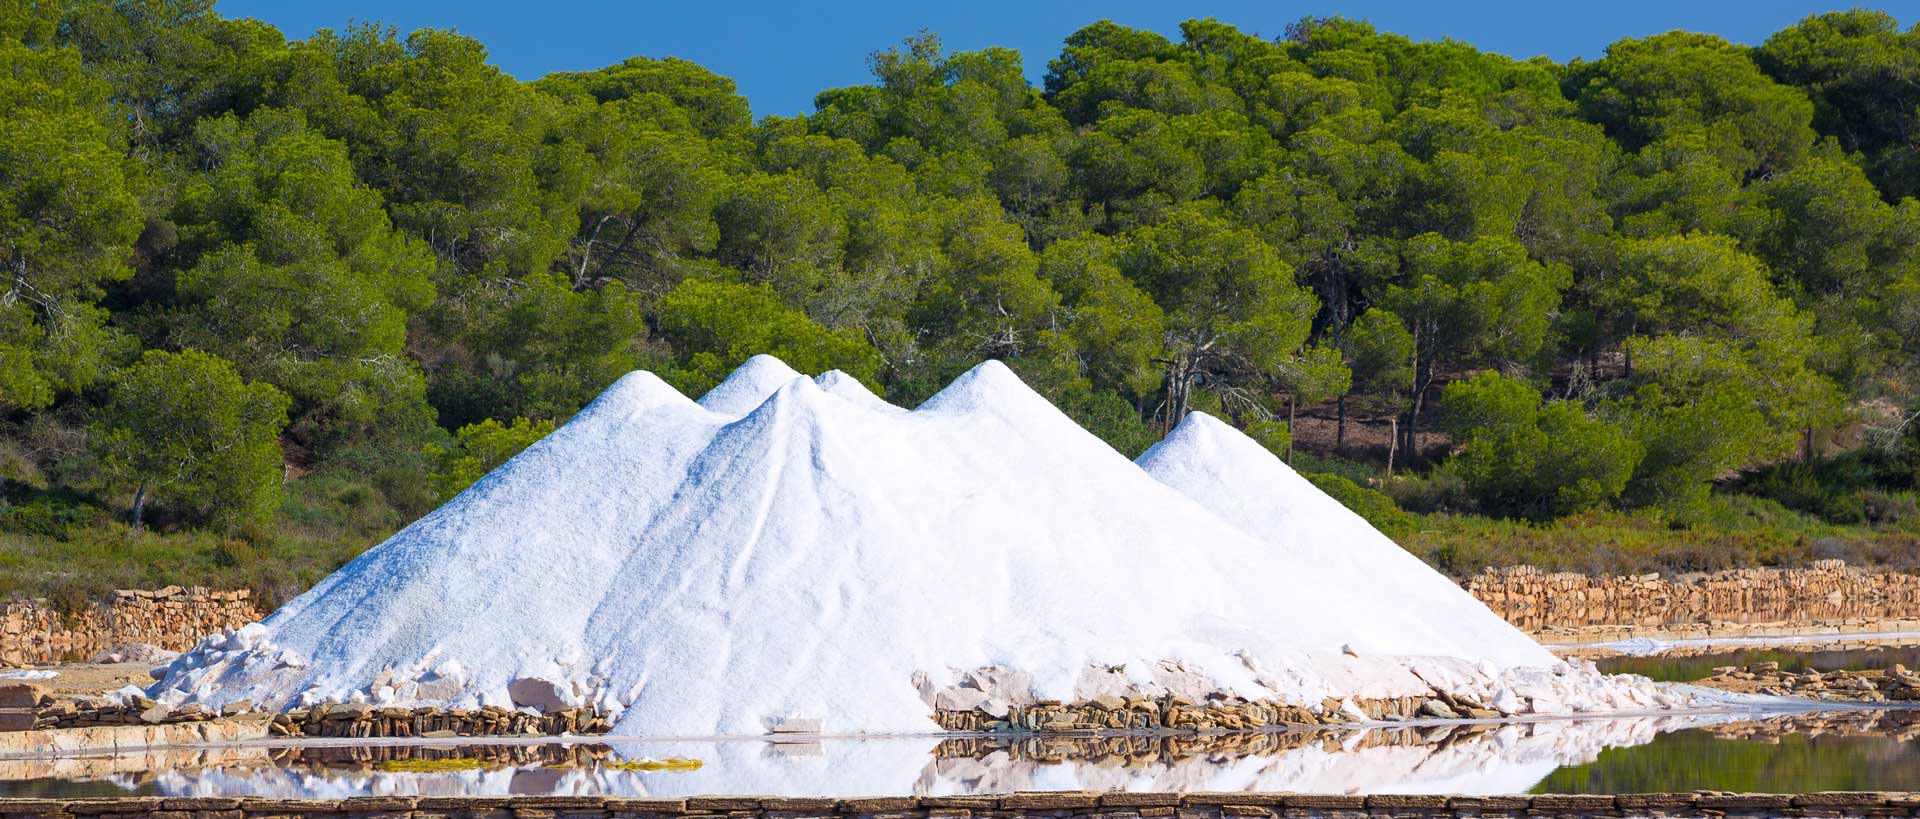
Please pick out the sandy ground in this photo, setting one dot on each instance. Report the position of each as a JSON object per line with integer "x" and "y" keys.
{"x": 80, "y": 680}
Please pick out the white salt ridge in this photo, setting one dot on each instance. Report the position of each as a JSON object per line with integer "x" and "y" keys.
{"x": 792, "y": 552}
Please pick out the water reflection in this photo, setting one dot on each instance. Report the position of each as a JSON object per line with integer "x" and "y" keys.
{"x": 1687, "y": 668}
{"x": 1861, "y": 751}
{"x": 1801, "y": 752}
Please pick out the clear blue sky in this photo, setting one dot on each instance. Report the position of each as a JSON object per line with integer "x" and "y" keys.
{"x": 782, "y": 53}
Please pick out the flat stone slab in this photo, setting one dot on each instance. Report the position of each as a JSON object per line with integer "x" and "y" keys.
{"x": 108, "y": 737}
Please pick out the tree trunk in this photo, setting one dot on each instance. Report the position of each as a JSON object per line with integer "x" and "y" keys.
{"x": 1179, "y": 380}
{"x": 1393, "y": 443}
{"x": 1291, "y": 404}
{"x": 1806, "y": 445}
{"x": 1340, "y": 429}
{"x": 139, "y": 504}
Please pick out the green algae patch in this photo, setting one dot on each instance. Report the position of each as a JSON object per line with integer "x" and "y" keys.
{"x": 430, "y": 765}
{"x": 672, "y": 763}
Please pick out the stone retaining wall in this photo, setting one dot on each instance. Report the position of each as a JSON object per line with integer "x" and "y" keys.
{"x": 172, "y": 618}
{"x": 1827, "y": 592}
{"x": 25, "y": 706}
{"x": 1829, "y": 595}
{"x": 1056, "y": 805}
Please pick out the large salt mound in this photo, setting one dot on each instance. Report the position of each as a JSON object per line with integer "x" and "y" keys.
{"x": 788, "y": 550}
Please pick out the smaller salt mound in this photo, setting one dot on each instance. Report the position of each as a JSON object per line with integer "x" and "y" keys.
{"x": 837, "y": 383}
{"x": 1239, "y": 480}
{"x": 1416, "y": 610}
{"x": 749, "y": 385}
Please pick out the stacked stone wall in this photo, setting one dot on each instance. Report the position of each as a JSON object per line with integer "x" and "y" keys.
{"x": 173, "y": 618}
{"x": 1827, "y": 593}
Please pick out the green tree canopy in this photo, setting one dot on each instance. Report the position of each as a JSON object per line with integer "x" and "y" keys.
{"x": 185, "y": 429}
{"x": 1233, "y": 313}
{"x": 68, "y": 219}
{"x": 717, "y": 326}
{"x": 1528, "y": 459}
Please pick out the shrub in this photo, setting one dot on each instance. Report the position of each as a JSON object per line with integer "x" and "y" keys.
{"x": 1375, "y": 507}
{"x": 1360, "y": 473}
{"x": 478, "y": 449}
{"x": 1276, "y": 436}
{"x": 185, "y": 428}
{"x": 1526, "y": 459}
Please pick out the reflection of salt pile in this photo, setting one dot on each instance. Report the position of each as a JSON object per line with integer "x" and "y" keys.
{"x": 1511, "y": 758}
{"x": 791, "y": 550}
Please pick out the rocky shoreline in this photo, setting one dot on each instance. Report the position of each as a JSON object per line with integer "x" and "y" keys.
{"x": 1889, "y": 685}
{"x": 1175, "y": 712}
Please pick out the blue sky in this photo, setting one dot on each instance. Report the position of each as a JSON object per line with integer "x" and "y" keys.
{"x": 782, "y": 53}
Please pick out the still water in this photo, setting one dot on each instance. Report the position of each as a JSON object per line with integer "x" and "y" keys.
{"x": 1872, "y": 750}
{"x": 1674, "y": 668}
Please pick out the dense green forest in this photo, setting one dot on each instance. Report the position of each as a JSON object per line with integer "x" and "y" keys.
{"x": 267, "y": 300}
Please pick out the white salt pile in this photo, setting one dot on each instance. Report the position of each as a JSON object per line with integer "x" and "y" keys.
{"x": 793, "y": 554}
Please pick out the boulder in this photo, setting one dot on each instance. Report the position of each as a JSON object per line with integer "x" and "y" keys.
{"x": 959, "y": 699}
{"x": 539, "y": 694}
{"x": 798, "y": 725}
{"x": 17, "y": 719}
{"x": 21, "y": 695}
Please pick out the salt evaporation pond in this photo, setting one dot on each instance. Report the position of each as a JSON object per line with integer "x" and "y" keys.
{"x": 1850, "y": 750}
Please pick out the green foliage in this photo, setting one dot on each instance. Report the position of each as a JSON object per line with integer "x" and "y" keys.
{"x": 1474, "y": 303}
{"x": 1730, "y": 531}
{"x": 717, "y": 326}
{"x": 1274, "y": 435}
{"x": 290, "y": 269}
{"x": 187, "y": 429}
{"x": 478, "y": 449}
{"x": 1678, "y": 84}
{"x": 1723, "y": 377}
{"x": 1378, "y": 509}
{"x": 67, "y": 218}
{"x": 1845, "y": 489}
{"x": 1704, "y": 248}
{"x": 1232, "y": 309}
{"x": 1863, "y": 75}
{"x": 1382, "y": 350}
{"x": 1533, "y": 460}
{"x": 1907, "y": 448}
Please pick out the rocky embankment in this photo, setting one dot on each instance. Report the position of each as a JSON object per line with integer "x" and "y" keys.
{"x": 174, "y": 618}
{"x": 25, "y": 706}
{"x": 1172, "y": 711}
{"x": 1895, "y": 684}
{"x": 1827, "y": 595}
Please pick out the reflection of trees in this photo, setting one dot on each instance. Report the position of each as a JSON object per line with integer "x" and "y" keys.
{"x": 1842, "y": 751}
